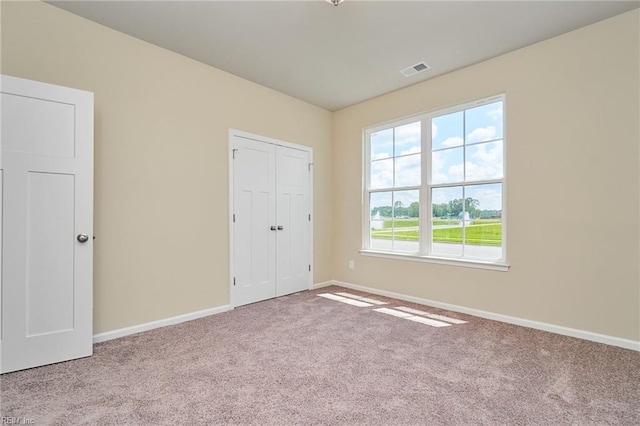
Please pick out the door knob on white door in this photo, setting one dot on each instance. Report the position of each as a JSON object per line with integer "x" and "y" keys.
{"x": 83, "y": 238}
{"x": 280, "y": 227}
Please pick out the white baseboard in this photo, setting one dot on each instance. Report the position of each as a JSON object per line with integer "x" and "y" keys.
{"x": 109, "y": 335}
{"x": 322, "y": 284}
{"x": 566, "y": 331}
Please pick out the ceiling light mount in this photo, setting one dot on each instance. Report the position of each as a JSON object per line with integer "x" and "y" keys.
{"x": 335, "y": 2}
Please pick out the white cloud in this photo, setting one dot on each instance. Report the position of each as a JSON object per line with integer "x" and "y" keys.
{"x": 455, "y": 173}
{"x": 382, "y": 174}
{"x": 481, "y": 172}
{"x": 485, "y": 162}
{"x": 380, "y": 156}
{"x": 490, "y": 196}
{"x": 481, "y": 134}
{"x": 408, "y": 171}
{"x": 439, "y": 197}
{"x": 411, "y": 150}
{"x": 408, "y": 131}
{"x": 437, "y": 163}
{"x": 382, "y": 144}
{"x": 452, "y": 141}
{"x": 442, "y": 172}
{"x": 444, "y": 195}
{"x": 406, "y": 197}
{"x": 495, "y": 114}
{"x": 488, "y": 153}
{"x": 407, "y": 139}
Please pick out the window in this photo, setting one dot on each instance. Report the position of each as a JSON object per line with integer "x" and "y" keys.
{"x": 435, "y": 185}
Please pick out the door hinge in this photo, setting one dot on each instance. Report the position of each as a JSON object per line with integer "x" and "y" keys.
{"x": 309, "y": 268}
{"x": 234, "y": 153}
{"x": 310, "y": 164}
{"x": 309, "y": 218}
{"x": 234, "y": 218}
{"x": 234, "y": 281}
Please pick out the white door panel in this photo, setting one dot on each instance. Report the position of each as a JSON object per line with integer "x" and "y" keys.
{"x": 49, "y": 214}
{"x": 293, "y": 253}
{"x": 47, "y": 200}
{"x": 254, "y": 201}
{"x": 50, "y": 119}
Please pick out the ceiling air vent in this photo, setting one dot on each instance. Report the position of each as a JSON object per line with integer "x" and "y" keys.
{"x": 415, "y": 69}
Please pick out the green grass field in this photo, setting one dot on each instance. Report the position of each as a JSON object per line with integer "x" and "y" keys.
{"x": 401, "y": 223}
{"x": 408, "y": 223}
{"x": 484, "y": 233}
{"x": 409, "y": 235}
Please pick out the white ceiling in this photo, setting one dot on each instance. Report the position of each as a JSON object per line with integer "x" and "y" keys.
{"x": 334, "y": 57}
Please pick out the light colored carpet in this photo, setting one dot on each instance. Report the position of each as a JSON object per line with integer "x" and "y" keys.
{"x": 304, "y": 360}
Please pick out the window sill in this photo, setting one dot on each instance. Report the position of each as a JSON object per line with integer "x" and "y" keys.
{"x": 467, "y": 263}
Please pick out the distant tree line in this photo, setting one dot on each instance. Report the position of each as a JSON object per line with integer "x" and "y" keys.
{"x": 452, "y": 209}
{"x": 413, "y": 210}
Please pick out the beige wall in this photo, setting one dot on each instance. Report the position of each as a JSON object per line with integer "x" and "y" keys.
{"x": 572, "y": 146}
{"x": 161, "y": 167}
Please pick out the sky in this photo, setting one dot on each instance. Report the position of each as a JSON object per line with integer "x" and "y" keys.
{"x": 475, "y": 133}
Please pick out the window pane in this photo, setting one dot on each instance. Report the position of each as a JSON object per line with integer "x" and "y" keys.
{"x": 381, "y": 174}
{"x": 408, "y": 170}
{"x": 483, "y": 236}
{"x": 406, "y": 225}
{"x": 380, "y": 204}
{"x": 484, "y": 123}
{"x": 447, "y": 221}
{"x": 382, "y": 144}
{"x": 407, "y": 139}
{"x": 484, "y": 161}
{"x": 447, "y": 131}
{"x": 446, "y": 166}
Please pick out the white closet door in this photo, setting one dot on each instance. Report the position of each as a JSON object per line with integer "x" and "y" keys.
{"x": 254, "y": 245}
{"x": 47, "y": 224}
{"x": 271, "y": 226}
{"x": 293, "y": 236}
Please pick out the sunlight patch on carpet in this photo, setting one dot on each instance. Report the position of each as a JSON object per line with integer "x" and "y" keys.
{"x": 427, "y": 321}
{"x": 393, "y": 312}
{"x": 363, "y": 299}
{"x": 415, "y": 315}
{"x": 345, "y": 300}
{"x": 413, "y": 318}
{"x": 429, "y": 315}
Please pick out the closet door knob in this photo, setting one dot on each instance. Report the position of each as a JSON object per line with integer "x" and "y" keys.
{"x": 273, "y": 228}
{"x": 83, "y": 238}
{"x": 280, "y": 227}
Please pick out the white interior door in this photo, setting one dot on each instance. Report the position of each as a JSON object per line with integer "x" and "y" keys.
{"x": 271, "y": 225}
{"x": 254, "y": 246}
{"x": 47, "y": 224}
{"x": 293, "y": 219}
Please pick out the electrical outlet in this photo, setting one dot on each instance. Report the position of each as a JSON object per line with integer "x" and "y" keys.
{"x": 352, "y": 264}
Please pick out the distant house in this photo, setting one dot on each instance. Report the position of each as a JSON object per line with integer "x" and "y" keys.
{"x": 377, "y": 222}
{"x": 464, "y": 218}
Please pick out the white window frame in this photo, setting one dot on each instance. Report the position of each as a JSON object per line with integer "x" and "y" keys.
{"x": 425, "y": 253}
